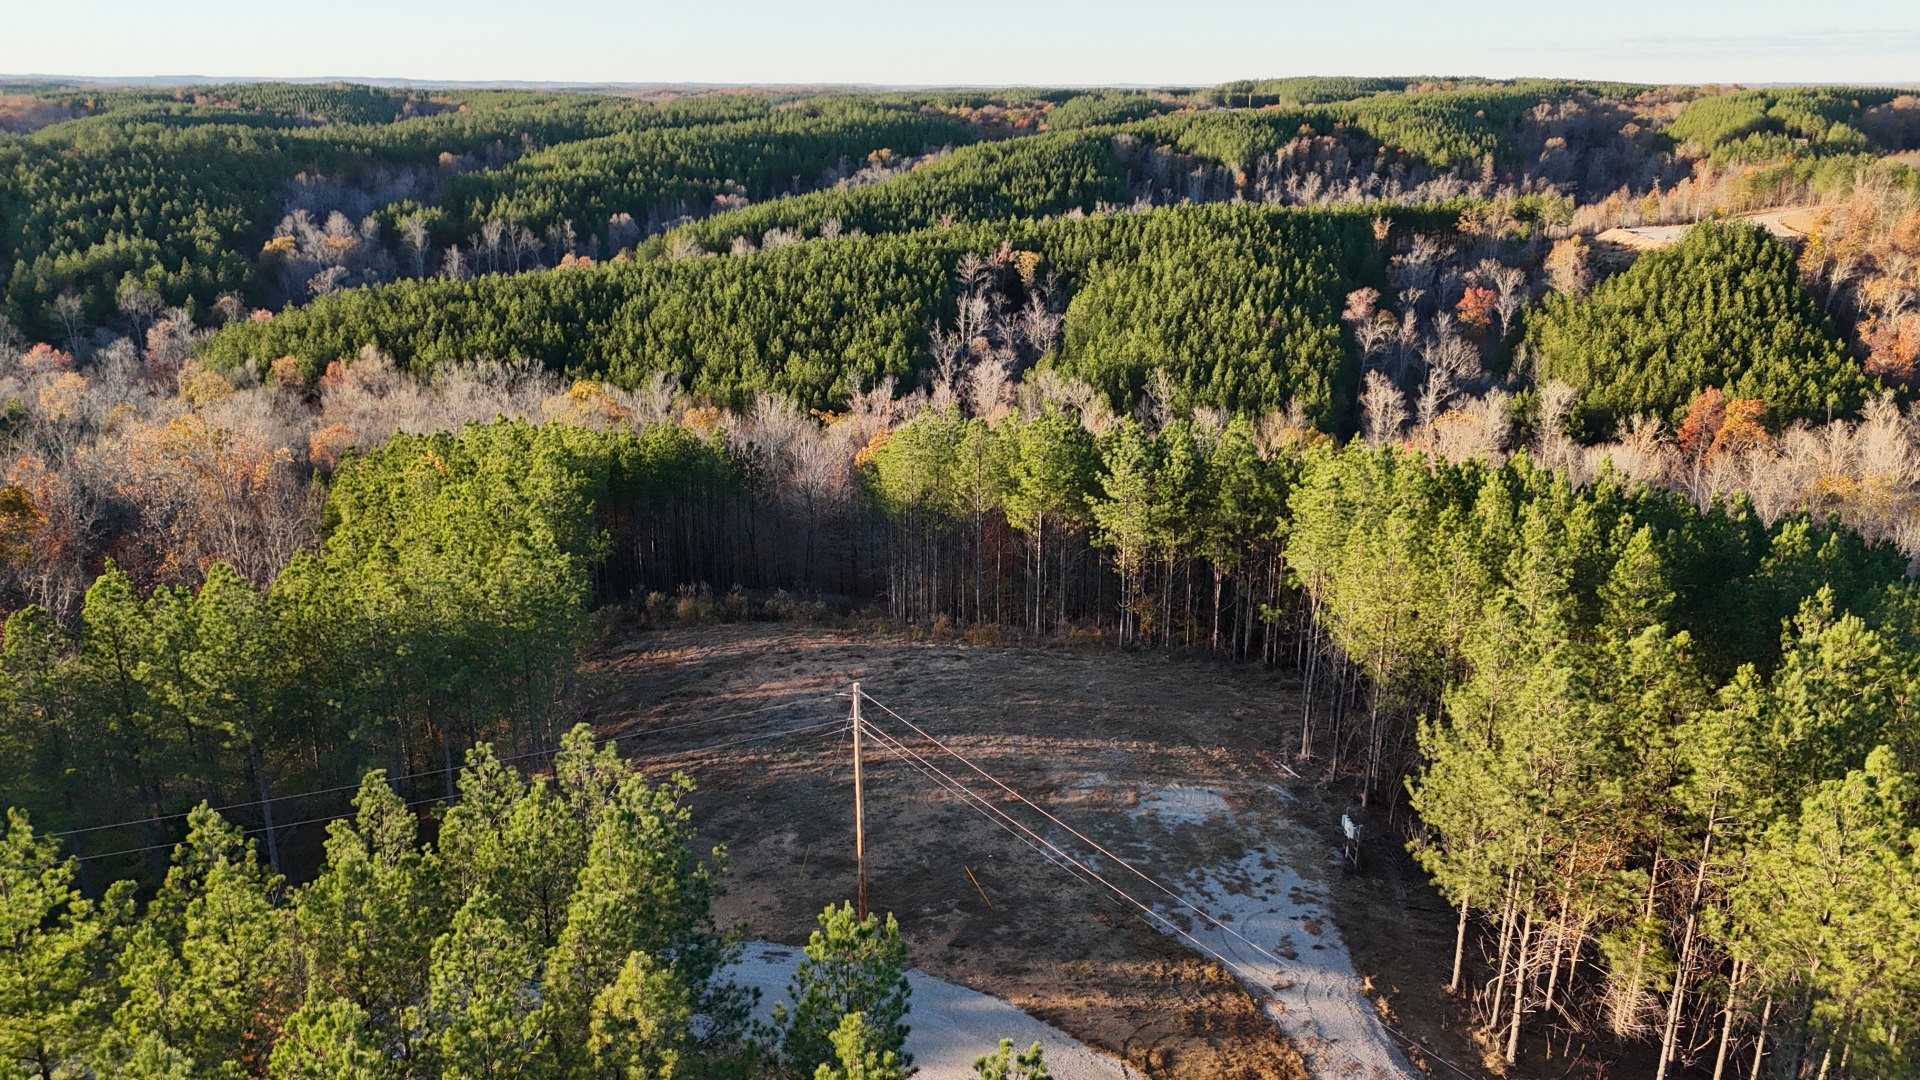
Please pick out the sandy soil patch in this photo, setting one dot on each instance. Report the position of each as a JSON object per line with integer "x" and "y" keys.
{"x": 951, "y": 1025}
{"x": 1791, "y": 223}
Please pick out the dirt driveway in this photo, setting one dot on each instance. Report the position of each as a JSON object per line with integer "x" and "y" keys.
{"x": 1169, "y": 763}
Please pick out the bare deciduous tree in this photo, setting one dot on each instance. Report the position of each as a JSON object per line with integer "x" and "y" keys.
{"x": 413, "y": 233}
{"x": 1383, "y": 410}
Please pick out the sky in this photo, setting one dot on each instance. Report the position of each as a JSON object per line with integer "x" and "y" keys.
{"x": 984, "y": 42}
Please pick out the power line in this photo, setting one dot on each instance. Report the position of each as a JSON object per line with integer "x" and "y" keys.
{"x": 836, "y": 723}
{"x": 893, "y": 745}
{"x": 1196, "y": 909}
{"x": 982, "y": 805}
{"x": 967, "y": 795}
{"x": 1066, "y": 861}
{"x": 1078, "y": 835}
{"x": 710, "y": 719}
{"x": 156, "y": 819}
{"x": 1278, "y": 961}
{"x": 438, "y": 771}
{"x": 251, "y": 832}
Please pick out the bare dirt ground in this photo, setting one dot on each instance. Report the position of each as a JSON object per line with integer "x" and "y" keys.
{"x": 1791, "y": 223}
{"x": 1178, "y": 765}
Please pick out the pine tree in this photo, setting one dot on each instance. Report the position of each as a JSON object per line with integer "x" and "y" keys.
{"x": 483, "y": 1001}
{"x": 115, "y": 669}
{"x": 150, "y": 1058}
{"x": 1638, "y": 592}
{"x": 210, "y": 970}
{"x": 1052, "y": 477}
{"x": 1005, "y": 1064}
{"x": 642, "y": 890}
{"x": 590, "y": 776}
{"x": 1822, "y": 915}
{"x": 641, "y": 1023}
{"x": 851, "y": 966}
{"x": 230, "y": 680}
{"x": 329, "y": 1039}
{"x": 54, "y": 947}
{"x": 367, "y": 922}
{"x": 1242, "y": 519}
{"x": 43, "y": 733}
{"x": 860, "y": 1053}
{"x": 519, "y": 842}
{"x": 1123, "y": 514}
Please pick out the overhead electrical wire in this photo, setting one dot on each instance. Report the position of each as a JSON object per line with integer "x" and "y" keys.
{"x": 156, "y": 819}
{"x": 981, "y": 805}
{"x": 836, "y": 725}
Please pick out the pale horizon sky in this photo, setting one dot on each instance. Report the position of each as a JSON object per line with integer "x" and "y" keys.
{"x": 988, "y": 42}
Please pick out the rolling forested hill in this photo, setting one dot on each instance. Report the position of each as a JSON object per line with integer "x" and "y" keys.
{"x": 340, "y": 421}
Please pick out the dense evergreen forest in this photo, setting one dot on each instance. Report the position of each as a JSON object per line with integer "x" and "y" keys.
{"x": 340, "y": 421}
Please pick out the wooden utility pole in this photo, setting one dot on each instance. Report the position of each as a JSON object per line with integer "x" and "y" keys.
{"x": 859, "y": 813}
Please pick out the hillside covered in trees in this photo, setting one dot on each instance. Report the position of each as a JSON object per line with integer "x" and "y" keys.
{"x": 341, "y": 421}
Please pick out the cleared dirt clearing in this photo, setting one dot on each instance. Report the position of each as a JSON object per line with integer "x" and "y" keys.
{"x": 1175, "y": 765}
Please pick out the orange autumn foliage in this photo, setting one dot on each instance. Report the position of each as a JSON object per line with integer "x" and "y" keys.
{"x": 326, "y": 446}
{"x": 289, "y": 372}
{"x": 1716, "y": 424}
{"x": 1705, "y": 414}
{"x": 1893, "y": 346}
{"x": 20, "y": 519}
{"x": 44, "y": 359}
{"x": 208, "y": 491}
{"x": 864, "y": 455}
{"x": 62, "y": 396}
{"x": 1476, "y": 307}
{"x": 587, "y": 403}
{"x": 1741, "y": 427}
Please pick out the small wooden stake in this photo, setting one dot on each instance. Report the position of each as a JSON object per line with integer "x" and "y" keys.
{"x": 976, "y": 886}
